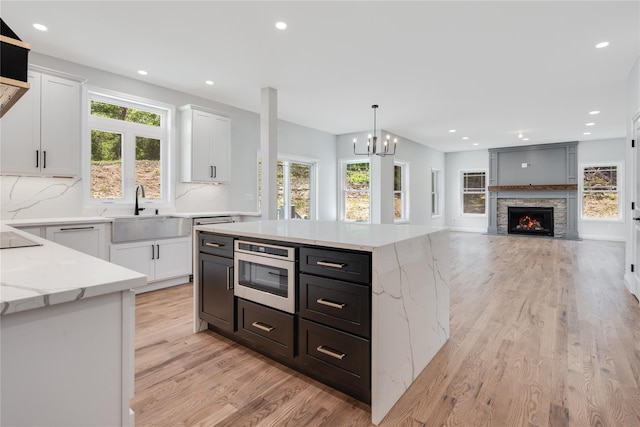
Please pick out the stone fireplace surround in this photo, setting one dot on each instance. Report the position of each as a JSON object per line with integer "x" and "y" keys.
{"x": 536, "y": 176}
{"x": 559, "y": 213}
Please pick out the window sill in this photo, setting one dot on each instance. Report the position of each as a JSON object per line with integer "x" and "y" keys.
{"x": 605, "y": 220}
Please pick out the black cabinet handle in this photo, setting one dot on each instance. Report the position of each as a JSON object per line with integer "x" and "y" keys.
{"x": 210, "y": 171}
{"x": 229, "y": 278}
{"x": 331, "y": 352}
{"x": 636, "y": 219}
{"x": 76, "y": 228}
{"x": 263, "y": 326}
{"x": 44, "y": 159}
{"x": 37, "y": 158}
{"x": 158, "y": 254}
{"x": 153, "y": 252}
{"x": 215, "y": 172}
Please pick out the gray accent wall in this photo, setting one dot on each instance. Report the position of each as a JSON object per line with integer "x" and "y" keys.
{"x": 545, "y": 164}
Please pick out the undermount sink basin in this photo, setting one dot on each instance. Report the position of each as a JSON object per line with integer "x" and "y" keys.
{"x": 130, "y": 228}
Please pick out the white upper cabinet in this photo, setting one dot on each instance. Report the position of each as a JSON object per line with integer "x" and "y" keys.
{"x": 41, "y": 133}
{"x": 205, "y": 138}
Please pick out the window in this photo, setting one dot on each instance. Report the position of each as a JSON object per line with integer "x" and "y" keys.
{"x": 400, "y": 202}
{"x": 296, "y": 184}
{"x": 296, "y": 195}
{"x": 129, "y": 146}
{"x": 600, "y": 192}
{"x": 473, "y": 193}
{"x": 436, "y": 203}
{"x": 356, "y": 191}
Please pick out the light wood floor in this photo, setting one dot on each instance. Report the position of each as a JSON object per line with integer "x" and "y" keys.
{"x": 543, "y": 333}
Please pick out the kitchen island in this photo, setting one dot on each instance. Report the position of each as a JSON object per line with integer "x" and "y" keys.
{"x": 409, "y": 304}
{"x": 67, "y": 330}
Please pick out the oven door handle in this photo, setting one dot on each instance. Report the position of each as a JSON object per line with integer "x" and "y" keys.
{"x": 277, "y": 274}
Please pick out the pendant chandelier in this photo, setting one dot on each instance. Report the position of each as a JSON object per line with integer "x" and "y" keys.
{"x": 372, "y": 142}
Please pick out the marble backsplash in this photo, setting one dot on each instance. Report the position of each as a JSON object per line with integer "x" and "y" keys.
{"x": 36, "y": 197}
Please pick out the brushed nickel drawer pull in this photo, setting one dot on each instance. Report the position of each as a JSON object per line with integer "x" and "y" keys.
{"x": 330, "y": 264}
{"x": 323, "y": 301}
{"x": 330, "y": 352}
{"x": 213, "y": 245}
{"x": 262, "y": 326}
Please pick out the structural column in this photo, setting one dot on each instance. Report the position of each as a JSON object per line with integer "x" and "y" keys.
{"x": 269, "y": 151}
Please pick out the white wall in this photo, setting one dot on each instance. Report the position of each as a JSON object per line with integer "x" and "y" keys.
{"x": 299, "y": 141}
{"x": 455, "y": 163}
{"x": 420, "y": 159}
{"x": 33, "y": 197}
{"x": 601, "y": 152}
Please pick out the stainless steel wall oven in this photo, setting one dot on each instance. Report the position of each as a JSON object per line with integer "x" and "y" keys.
{"x": 266, "y": 274}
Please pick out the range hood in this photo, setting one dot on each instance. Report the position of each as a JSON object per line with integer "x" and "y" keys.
{"x": 13, "y": 67}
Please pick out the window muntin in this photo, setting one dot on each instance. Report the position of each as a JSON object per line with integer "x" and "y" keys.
{"x": 129, "y": 146}
{"x": 436, "y": 203}
{"x": 356, "y": 191}
{"x": 474, "y": 193}
{"x": 400, "y": 210}
{"x": 601, "y": 192}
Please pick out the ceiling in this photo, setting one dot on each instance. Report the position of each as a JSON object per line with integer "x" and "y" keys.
{"x": 489, "y": 70}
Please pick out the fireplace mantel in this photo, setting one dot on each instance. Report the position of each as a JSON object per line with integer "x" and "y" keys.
{"x": 533, "y": 187}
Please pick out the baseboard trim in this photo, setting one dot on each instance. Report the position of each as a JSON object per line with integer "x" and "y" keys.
{"x": 601, "y": 237}
{"x": 468, "y": 229}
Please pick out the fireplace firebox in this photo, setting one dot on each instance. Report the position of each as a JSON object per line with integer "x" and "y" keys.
{"x": 530, "y": 220}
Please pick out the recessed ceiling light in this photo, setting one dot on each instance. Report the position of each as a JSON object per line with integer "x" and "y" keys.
{"x": 520, "y": 135}
{"x": 587, "y": 133}
{"x": 40, "y": 27}
{"x": 209, "y": 82}
{"x": 281, "y": 25}
{"x": 452, "y": 130}
{"x": 475, "y": 143}
{"x": 525, "y": 139}
{"x": 594, "y": 112}
{"x": 602, "y": 44}
{"x": 465, "y": 137}
{"x": 142, "y": 72}
{"x": 590, "y": 124}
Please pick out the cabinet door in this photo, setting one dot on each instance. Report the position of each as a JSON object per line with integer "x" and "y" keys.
{"x": 172, "y": 258}
{"x": 203, "y": 134}
{"x": 221, "y": 149}
{"x": 20, "y": 132}
{"x": 216, "y": 291}
{"x": 138, "y": 256}
{"x": 87, "y": 238}
{"x": 60, "y": 126}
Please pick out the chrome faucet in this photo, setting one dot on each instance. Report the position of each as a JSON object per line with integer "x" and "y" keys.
{"x": 137, "y": 209}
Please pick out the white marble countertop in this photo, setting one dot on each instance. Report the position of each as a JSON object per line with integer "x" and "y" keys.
{"x": 338, "y": 234}
{"x": 39, "y": 276}
{"x": 109, "y": 219}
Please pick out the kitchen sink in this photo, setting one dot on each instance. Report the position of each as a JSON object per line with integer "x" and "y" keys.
{"x": 131, "y": 228}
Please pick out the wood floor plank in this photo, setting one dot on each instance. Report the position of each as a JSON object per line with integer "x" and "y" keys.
{"x": 543, "y": 333}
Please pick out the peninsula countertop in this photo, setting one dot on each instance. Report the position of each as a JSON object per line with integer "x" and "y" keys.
{"x": 337, "y": 234}
{"x": 48, "y": 274}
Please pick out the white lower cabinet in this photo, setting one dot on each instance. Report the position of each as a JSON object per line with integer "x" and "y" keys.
{"x": 87, "y": 238}
{"x": 158, "y": 259}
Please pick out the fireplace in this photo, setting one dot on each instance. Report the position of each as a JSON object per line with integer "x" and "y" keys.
{"x": 530, "y": 220}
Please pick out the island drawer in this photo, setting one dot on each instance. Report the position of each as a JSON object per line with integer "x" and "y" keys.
{"x": 215, "y": 244}
{"x": 270, "y": 331}
{"x": 336, "y": 358}
{"x": 341, "y": 305}
{"x": 341, "y": 265}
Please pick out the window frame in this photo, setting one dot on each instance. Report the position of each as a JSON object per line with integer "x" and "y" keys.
{"x": 436, "y": 192}
{"x": 342, "y": 182}
{"x": 462, "y": 192}
{"x": 404, "y": 192}
{"x": 165, "y": 133}
{"x": 313, "y": 180}
{"x": 620, "y": 190}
